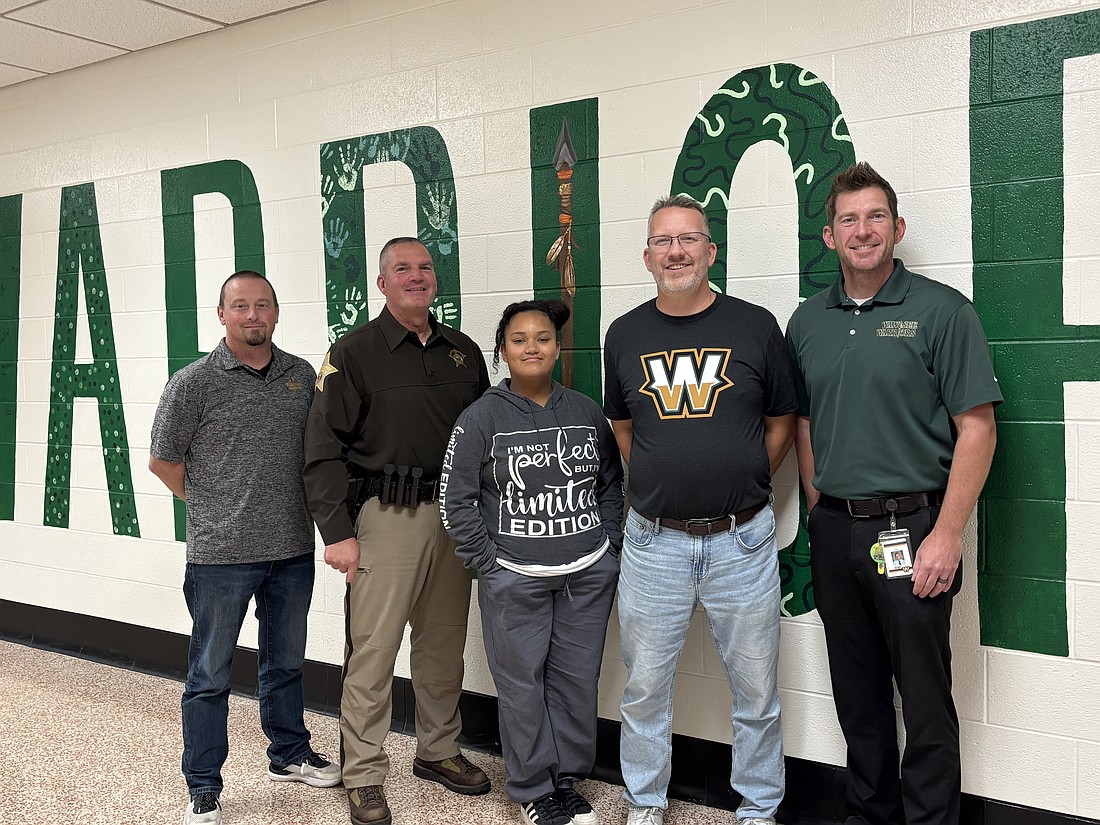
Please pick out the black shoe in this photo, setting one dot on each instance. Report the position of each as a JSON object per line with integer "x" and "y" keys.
{"x": 545, "y": 811}
{"x": 576, "y": 806}
{"x": 314, "y": 770}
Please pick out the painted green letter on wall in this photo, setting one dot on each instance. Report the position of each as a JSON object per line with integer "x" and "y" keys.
{"x": 179, "y": 187}
{"x": 1018, "y": 227}
{"x": 80, "y": 258}
{"x": 343, "y": 219}
{"x": 565, "y": 218}
{"x": 11, "y": 214}
{"x": 791, "y": 106}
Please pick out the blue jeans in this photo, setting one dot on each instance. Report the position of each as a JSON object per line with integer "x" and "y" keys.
{"x": 217, "y": 597}
{"x": 735, "y": 577}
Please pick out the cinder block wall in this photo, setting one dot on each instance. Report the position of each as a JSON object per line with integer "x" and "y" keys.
{"x": 299, "y": 143}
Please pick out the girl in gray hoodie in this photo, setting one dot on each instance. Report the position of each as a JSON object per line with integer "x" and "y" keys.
{"x": 532, "y": 492}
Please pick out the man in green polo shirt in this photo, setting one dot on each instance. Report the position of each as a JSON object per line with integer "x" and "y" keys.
{"x": 895, "y": 437}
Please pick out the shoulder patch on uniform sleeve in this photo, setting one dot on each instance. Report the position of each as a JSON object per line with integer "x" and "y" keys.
{"x": 326, "y": 370}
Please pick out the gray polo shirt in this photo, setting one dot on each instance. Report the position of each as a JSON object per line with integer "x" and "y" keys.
{"x": 240, "y": 435}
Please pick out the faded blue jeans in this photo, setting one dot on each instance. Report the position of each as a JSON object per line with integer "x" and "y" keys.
{"x": 664, "y": 574}
{"x": 217, "y": 597}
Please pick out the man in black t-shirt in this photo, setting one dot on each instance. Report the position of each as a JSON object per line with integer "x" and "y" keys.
{"x": 699, "y": 393}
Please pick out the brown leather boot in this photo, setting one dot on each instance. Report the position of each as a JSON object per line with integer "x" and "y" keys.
{"x": 456, "y": 774}
{"x": 368, "y": 806}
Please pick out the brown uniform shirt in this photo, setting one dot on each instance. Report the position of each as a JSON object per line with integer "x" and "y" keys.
{"x": 383, "y": 398}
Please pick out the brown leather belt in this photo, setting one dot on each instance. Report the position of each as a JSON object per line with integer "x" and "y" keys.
{"x": 899, "y": 504}
{"x": 708, "y": 526}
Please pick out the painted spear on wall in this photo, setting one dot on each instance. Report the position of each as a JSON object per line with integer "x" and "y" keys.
{"x": 560, "y": 256}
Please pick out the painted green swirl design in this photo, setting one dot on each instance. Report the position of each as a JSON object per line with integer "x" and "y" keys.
{"x": 793, "y": 107}
{"x": 343, "y": 217}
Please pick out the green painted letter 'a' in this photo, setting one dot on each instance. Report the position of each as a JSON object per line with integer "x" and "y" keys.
{"x": 80, "y": 259}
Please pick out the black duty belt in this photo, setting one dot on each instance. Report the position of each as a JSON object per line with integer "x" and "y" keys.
{"x": 708, "y": 526}
{"x": 425, "y": 490}
{"x": 399, "y": 486}
{"x": 899, "y": 504}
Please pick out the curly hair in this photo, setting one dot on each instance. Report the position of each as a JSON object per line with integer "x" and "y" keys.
{"x": 556, "y": 311}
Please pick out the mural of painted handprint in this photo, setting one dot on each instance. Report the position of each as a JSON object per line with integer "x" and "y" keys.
{"x": 343, "y": 216}
{"x": 793, "y": 107}
{"x": 336, "y": 236}
{"x": 440, "y": 236}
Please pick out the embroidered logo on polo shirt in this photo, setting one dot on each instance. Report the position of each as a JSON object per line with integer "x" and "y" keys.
{"x": 293, "y": 384}
{"x": 897, "y": 329}
{"x": 458, "y": 356}
{"x": 326, "y": 370}
{"x": 685, "y": 383}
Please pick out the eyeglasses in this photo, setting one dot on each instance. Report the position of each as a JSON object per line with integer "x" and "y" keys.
{"x": 687, "y": 240}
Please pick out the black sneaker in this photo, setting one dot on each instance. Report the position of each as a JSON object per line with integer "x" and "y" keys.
{"x": 576, "y": 806}
{"x": 544, "y": 811}
{"x": 204, "y": 809}
{"x": 314, "y": 770}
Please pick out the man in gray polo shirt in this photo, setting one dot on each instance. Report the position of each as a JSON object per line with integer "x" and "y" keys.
{"x": 228, "y": 439}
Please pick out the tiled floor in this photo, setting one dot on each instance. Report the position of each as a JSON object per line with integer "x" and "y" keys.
{"x": 90, "y": 743}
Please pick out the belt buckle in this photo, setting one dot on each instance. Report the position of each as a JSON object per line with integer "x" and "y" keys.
{"x": 848, "y": 504}
{"x": 702, "y": 525}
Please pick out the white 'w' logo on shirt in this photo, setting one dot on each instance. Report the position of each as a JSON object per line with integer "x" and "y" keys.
{"x": 685, "y": 383}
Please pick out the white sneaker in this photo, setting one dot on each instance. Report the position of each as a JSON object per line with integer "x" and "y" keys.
{"x": 314, "y": 770}
{"x": 646, "y": 816}
{"x": 204, "y": 809}
{"x": 756, "y": 820}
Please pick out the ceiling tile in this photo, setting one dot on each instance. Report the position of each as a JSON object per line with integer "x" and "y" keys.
{"x": 13, "y": 74}
{"x": 47, "y": 51}
{"x": 128, "y": 24}
{"x": 234, "y": 11}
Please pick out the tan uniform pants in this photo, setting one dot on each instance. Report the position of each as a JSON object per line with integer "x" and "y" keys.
{"x": 408, "y": 573}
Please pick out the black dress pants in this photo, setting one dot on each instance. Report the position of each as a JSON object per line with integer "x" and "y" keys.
{"x": 876, "y": 631}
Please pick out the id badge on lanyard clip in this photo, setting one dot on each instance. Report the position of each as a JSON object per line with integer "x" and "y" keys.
{"x": 893, "y": 552}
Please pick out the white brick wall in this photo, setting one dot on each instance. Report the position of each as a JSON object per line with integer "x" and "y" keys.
{"x": 268, "y": 93}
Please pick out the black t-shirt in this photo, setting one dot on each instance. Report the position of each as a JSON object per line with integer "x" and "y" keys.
{"x": 697, "y": 388}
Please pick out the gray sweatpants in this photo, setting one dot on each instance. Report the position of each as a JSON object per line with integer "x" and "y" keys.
{"x": 544, "y": 640}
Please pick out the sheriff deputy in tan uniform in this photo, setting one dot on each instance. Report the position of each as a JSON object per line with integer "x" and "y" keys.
{"x": 388, "y": 394}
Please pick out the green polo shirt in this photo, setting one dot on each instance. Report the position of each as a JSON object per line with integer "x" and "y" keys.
{"x": 880, "y": 383}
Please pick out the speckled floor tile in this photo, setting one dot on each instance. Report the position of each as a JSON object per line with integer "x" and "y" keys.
{"x": 90, "y": 743}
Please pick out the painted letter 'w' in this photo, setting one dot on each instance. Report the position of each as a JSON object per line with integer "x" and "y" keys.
{"x": 685, "y": 383}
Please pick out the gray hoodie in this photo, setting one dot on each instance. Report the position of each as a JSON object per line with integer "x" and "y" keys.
{"x": 529, "y": 484}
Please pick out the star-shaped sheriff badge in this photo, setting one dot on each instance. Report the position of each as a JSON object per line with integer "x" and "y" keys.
{"x": 326, "y": 370}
